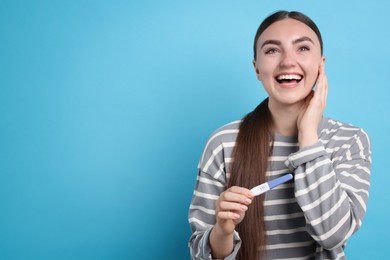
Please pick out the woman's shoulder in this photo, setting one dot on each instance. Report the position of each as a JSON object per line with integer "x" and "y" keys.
{"x": 224, "y": 134}
{"x": 226, "y": 131}
{"x": 338, "y": 130}
{"x": 219, "y": 144}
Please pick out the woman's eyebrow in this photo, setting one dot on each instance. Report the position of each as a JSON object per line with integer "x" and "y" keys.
{"x": 303, "y": 39}
{"x": 275, "y": 42}
{"x": 296, "y": 41}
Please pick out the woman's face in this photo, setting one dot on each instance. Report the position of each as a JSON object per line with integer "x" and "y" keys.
{"x": 288, "y": 60}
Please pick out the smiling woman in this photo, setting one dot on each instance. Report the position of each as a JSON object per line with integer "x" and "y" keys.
{"x": 288, "y": 56}
{"x": 310, "y": 217}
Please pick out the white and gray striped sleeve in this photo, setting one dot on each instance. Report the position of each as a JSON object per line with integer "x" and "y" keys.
{"x": 332, "y": 181}
{"x": 210, "y": 183}
{"x": 202, "y": 217}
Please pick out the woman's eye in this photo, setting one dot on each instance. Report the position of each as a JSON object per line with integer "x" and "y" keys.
{"x": 271, "y": 51}
{"x": 304, "y": 48}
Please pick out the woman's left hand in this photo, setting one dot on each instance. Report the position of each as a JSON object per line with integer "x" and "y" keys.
{"x": 311, "y": 113}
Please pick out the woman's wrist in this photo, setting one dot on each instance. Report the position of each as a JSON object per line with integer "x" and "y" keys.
{"x": 221, "y": 244}
{"x": 307, "y": 138}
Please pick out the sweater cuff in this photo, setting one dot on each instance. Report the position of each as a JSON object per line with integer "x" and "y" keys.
{"x": 305, "y": 155}
{"x": 232, "y": 256}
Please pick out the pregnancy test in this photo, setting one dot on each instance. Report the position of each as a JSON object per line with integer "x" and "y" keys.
{"x": 260, "y": 189}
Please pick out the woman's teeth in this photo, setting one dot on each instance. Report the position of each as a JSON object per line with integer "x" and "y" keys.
{"x": 288, "y": 78}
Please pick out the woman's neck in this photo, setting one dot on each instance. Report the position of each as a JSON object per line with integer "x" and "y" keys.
{"x": 285, "y": 118}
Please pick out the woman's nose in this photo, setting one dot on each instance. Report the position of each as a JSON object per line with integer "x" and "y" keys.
{"x": 287, "y": 60}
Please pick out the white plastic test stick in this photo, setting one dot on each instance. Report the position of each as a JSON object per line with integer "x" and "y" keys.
{"x": 260, "y": 189}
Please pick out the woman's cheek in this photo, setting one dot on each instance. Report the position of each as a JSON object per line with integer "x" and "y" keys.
{"x": 312, "y": 80}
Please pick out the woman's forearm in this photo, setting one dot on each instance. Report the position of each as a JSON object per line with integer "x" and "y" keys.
{"x": 221, "y": 244}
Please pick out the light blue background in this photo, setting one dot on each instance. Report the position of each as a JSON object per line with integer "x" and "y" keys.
{"x": 105, "y": 107}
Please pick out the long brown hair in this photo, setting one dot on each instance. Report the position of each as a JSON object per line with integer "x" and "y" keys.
{"x": 254, "y": 145}
{"x": 250, "y": 160}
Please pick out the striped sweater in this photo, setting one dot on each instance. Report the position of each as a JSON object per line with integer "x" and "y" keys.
{"x": 308, "y": 218}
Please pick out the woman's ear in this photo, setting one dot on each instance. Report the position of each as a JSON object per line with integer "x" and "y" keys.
{"x": 323, "y": 59}
{"x": 256, "y": 70}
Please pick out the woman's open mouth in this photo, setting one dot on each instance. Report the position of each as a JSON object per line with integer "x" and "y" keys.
{"x": 288, "y": 78}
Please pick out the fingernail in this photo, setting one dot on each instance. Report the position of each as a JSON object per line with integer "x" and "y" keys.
{"x": 244, "y": 207}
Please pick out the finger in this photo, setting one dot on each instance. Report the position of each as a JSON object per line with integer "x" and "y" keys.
{"x": 232, "y": 196}
{"x": 321, "y": 92}
{"x": 228, "y": 215}
{"x": 308, "y": 100}
{"x": 231, "y": 206}
{"x": 241, "y": 190}
{"x": 324, "y": 83}
{"x": 320, "y": 81}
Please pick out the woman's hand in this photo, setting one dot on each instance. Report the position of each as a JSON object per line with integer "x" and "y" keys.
{"x": 229, "y": 211}
{"x": 311, "y": 112}
{"x": 231, "y": 207}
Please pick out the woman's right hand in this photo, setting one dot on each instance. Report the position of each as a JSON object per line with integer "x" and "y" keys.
{"x": 312, "y": 110}
{"x": 230, "y": 208}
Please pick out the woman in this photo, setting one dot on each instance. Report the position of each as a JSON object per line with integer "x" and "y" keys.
{"x": 310, "y": 217}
